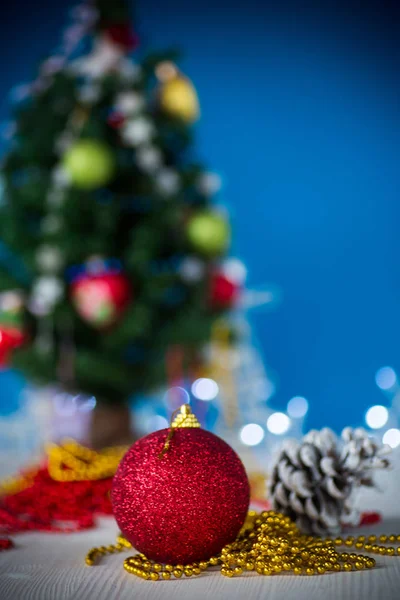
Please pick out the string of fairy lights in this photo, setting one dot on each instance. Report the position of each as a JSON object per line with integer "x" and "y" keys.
{"x": 383, "y": 419}
{"x": 259, "y": 425}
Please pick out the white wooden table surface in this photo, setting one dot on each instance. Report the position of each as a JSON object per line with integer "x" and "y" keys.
{"x": 51, "y": 567}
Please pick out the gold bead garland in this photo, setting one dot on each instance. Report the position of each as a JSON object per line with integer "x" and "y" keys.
{"x": 269, "y": 543}
{"x": 95, "y": 553}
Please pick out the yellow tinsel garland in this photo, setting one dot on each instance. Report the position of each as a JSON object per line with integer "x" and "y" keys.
{"x": 73, "y": 462}
{"x": 69, "y": 461}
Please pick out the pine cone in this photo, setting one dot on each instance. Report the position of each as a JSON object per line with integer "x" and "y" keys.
{"x": 312, "y": 480}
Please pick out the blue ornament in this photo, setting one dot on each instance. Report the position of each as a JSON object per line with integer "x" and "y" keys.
{"x": 109, "y": 265}
{"x": 12, "y": 387}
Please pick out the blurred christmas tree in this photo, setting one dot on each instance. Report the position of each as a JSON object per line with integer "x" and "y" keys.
{"x": 112, "y": 252}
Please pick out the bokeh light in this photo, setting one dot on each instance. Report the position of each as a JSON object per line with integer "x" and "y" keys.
{"x": 88, "y": 404}
{"x": 297, "y": 407}
{"x": 65, "y": 404}
{"x": 377, "y": 416}
{"x": 385, "y": 378}
{"x": 392, "y": 438}
{"x": 252, "y": 434}
{"x": 176, "y": 396}
{"x": 278, "y": 423}
{"x": 235, "y": 270}
{"x": 205, "y": 389}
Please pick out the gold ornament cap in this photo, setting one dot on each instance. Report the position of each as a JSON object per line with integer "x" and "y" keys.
{"x": 185, "y": 418}
{"x": 182, "y": 417}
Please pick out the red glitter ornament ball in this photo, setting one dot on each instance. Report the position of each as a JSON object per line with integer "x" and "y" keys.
{"x": 116, "y": 120}
{"x": 101, "y": 298}
{"x": 123, "y": 36}
{"x": 185, "y": 505}
{"x": 10, "y": 338}
{"x": 223, "y": 292}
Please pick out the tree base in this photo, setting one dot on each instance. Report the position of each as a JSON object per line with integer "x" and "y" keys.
{"x": 110, "y": 426}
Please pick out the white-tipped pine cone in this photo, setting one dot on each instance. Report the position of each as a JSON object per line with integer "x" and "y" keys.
{"x": 312, "y": 480}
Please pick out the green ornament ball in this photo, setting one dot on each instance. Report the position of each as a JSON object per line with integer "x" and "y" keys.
{"x": 89, "y": 163}
{"x": 209, "y": 233}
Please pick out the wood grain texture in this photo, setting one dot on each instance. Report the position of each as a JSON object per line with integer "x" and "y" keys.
{"x": 51, "y": 567}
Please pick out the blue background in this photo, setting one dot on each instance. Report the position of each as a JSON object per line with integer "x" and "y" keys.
{"x": 300, "y": 115}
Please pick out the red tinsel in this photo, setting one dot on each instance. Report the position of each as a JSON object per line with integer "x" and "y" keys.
{"x": 49, "y": 505}
{"x": 5, "y": 543}
{"x": 370, "y": 518}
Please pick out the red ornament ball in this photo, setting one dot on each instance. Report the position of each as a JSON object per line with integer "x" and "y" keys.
{"x": 10, "y": 338}
{"x": 223, "y": 291}
{"x": 123, "y": 36}
{"x": 185, "y": 505}
{"x": 101, "y": 298}
{"x": 116, "y": 120}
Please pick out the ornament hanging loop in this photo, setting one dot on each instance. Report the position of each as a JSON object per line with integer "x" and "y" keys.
{"x": 181, "y": 417}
